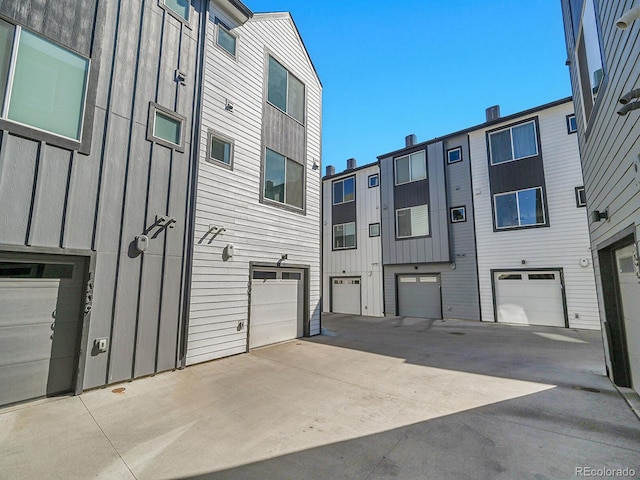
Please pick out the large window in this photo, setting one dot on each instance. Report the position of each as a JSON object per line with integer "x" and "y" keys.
{"x": 589, "y": 59}
{"x": 344, "y": 236}
{"x": 283, "y": 180}
{"x": 412, "y": 222}
{"x": 285, "y": 91}
{"x": 180, "y": 9}
{"x": 513, "y": 143}
{"x": 522, "y": 208}
{"x": 43, "y": 85}
{"x": 411, "y": 168}
{"x": 344, "y": 190}
{"x": 225, "y": 39}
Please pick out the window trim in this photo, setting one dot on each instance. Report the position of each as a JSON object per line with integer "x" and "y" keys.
{"x": 223, "y": 138}
{"x": 579, "y": 203}
{"x": 410, "y": 237}
{"x": 333, "y": 236}
{"x": 449, "y": 161}
{"x": 153, "y": 108}
{"x": 342, "y": 180}
{"x": 408, "y": 155}
{"x": 377, "y": 177}
{"x": 220, "y": 24}
{"x": 176, "y": 15}
{"x": 545, "y": 223}
{"x": 464, "y": 214}
{"x": 510, "y": 128}
{"x": 274, "y": 203}
{"x": 569, "y": 117}
{"x": 304, "y": 90}
{"x": 373, "y": 225}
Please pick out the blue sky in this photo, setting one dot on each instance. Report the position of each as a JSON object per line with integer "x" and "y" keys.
{"x": 427, "y": 67}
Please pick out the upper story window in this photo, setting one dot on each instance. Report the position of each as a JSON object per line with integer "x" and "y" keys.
{"x": 588, "y": 56}
{"x": 43, "y": 85}
{"x": 454, "y": 155}
{"x": 344, "y": 190}
{"x": 179, "y": 8}
{"x": 225, "y": 39}
{"x": 285, "y": 91}
{"x": 166, "y": 127}
{"x": 344, "y": 236}
{"x": 522, "y": 208}
{"x": 581, "y": 197}
{"x": 220, "y": 149}
{"x": 412, "y": 221}
{"x": 283, "y": 180}
{"x": 572, "y": 126}
{"x": 373, "y": 180}
{"x": 411, "y": 168}
{"x": 513, "y": 143}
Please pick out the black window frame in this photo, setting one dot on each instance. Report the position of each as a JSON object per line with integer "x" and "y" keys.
{"x": 510, "y": 128}
{"x": 575, "y": 121}
{"x": 275, "y": 203}
{"x": 449, "y": 151}
{"x": 377, "y": 177}
{"x": 342, "y": 180}
{"x": 333, "y": 236}
{"x": 464, "y": 214}
{"x": 545, "y": 212}
{"x": 579, "y": 202}
{"x": 372, "y": 225}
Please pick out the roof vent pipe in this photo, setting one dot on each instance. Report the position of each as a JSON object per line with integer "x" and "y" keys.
{"x": 410, "y": 140}
{"x": 351, "y": 164}
{"x": 493, "y": 113}
{"x": 331, "y": 170}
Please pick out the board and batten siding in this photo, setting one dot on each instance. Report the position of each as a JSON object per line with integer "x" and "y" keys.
{"x": 57, "y": 200}
{"x": 561, "y": 245}
{"x": 366, "y": 260}
{"x": 230, "y": 198}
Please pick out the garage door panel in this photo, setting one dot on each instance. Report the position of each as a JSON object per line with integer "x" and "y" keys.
{"x": 419, "y": 296}
{"x": 27, "y": 303}
{"x": 346, "y": 296}
{"x": 23, "y": 381}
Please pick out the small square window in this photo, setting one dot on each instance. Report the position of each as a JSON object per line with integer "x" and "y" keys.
{"x": 458, "y": 214}
{"x": 180, "y": 9}
{"x": 572, "y": 126}
{"x": 374, "y": 229}
{"x": 220, "y": 149}
{"x": 454, "y": 155}
{"x": 581, "y": 197}
{"x": 374, "y": 180}
{"x": 166, "y": 127}
{"x": 225, "y": 39}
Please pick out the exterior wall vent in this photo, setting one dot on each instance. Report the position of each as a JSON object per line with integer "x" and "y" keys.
{"x": 351, "y": 164}
{"x": 331, "y": 170}
{"x": 493, "y": 113}
{"x": 410, "y": 140}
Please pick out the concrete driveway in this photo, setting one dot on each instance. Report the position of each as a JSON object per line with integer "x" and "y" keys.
{"x": 387, "y": 398}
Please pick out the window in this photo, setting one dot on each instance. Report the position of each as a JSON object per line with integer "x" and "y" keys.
{"x": 589, "y": 60}
{"x": 180, "y": 9}
{"x": 411, "y": 168}
{"x": 581, "y": 197}
{"x": 510, "y": 276}
{"x": 412, "y": 222}
{"x": 283, "y": 180}
{"x": 43, "y": 85}
{"x": 291, "y": 276}
{"x": 373, "y": 180}
{"x": 166, "y": 127}
{"x": 513, "y": 143}
{"x": 374, "y": 229}
{"x": 344, "y": 236}
{"x": 285, "y": 91}
{"x": 458, "y": 214}
{"x": 454, "y": 155}
{"x": 542, "y": 276}
{"x": 225, "y": 39}
{"x": 220, "y": 149}
{"x": 344, "y": 191}
{"x": 519, "y": 209}
{"x": 264, "y": 275}
{"x": 572, "y": 126}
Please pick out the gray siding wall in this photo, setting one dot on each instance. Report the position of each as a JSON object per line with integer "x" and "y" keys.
{"x": 459, "y": 286}
{"x": 420, "y": 250}
{"x": 57, "y": 199}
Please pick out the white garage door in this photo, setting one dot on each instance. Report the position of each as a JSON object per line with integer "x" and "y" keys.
{"x": 345, "y": 295}
{"x": 277, "y": 306}
{"x": 40, "y": 304}
{"x": 530, "y": 298}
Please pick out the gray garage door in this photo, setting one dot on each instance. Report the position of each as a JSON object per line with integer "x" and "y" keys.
{"x": 39, "y": 322}
{"x": 419, "y": 296}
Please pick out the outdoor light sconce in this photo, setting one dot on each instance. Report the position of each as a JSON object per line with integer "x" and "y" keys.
{"x": 229, "y": 106}
{"x": 283, "y": 257}
{"x": 597, "y": 215}
{"x": 181, "y": 77}
{"x": 628, "y": 18}
{"x": 626, "y": 101}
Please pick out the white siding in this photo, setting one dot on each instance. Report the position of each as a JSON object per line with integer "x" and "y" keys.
{"x": 366, "y": 260}
{"x": 230, "y": 198}
{"x": 562, "y": 245}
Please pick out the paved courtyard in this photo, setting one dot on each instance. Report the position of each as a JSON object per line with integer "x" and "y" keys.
{"x": 370, "y": 399}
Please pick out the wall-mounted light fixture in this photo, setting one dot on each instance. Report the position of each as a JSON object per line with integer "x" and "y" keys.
{"x": 597, "y": 215}
{"x": 628, "y": 18}
{"x": 628, "y": 107}
{"x": 229, "y": 106}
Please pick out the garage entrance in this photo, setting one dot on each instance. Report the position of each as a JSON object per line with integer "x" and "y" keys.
{"x": 419, "y": 296}
{"x": 277, "y": 305}
{"x": 41, "y": 299}
{"x": 346, "y": 295}
{"x": 534, "y": 297}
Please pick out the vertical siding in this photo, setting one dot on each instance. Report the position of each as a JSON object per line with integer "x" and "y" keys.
{"x": 231, "y": 198}
{"x": 366, "y": 260}
{"x": 562, "y": 245}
